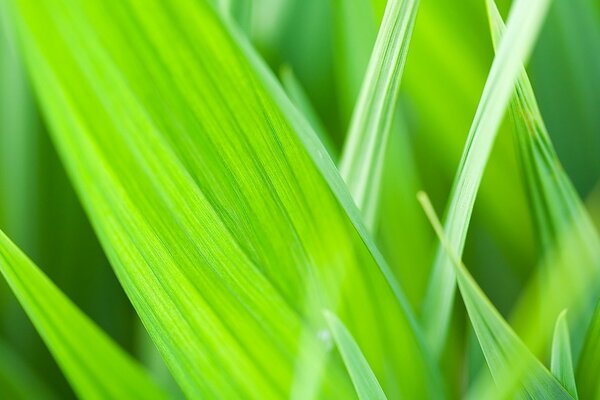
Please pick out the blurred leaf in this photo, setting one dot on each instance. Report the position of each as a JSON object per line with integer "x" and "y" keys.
{"x": 562, "y": 360}
{"x": 512, "y": 365}
{"x": 364, "y": 380}
{"x": 194, "y": 170}
{"x": 565, "y": 66}
{"x": 524, "y": 23}
{"x": 17, "y": 380}
{"x": 362, "y": 158}
{"x": 587, "y": 367}
{"x": 101, "y": 370}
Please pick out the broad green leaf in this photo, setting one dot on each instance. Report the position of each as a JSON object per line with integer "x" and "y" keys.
{"x": 568, "y": 239}
{"x": 587, "y": 367}
{"x": 523, "y": 26}
{"x": 362, "y": 158}
{"x": 222, "y": 215}
{"x": 561, "y": 363}
{"x": 364, "y": 380}
{"x": 94, "y": 365}
{"x": 513, "y": 366}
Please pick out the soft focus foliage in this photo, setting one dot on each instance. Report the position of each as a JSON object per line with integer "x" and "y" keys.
{"x": 218, "y": 199}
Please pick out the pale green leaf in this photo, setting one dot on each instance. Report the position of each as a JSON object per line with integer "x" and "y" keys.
{"x": 94, "y": 365}
{"x": 220, "y": 211}
{"x": 561, "y": 363}
{"x": 513, "y": 366}
{"x": 365, "y": 382}
{"x": 361, "y": 163}
{"x": 523, "y": 26}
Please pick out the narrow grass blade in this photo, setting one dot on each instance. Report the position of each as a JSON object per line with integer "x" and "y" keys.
{"x": 220, "y": 211}
{"x": 299, "y": 97}
{"x": 364, "y": 380}
{"x": 94, "y": 365}
{"x": 524, "y": 24}
{"x": 362, "y": 158}
{"x": 561, "y": 363}
{"x": 569, "y": 242}
{"x": 511, "y": 363}
{"x": 587, "y": 367}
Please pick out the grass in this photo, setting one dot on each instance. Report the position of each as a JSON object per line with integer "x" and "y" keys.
{"x": 250, "y": 170}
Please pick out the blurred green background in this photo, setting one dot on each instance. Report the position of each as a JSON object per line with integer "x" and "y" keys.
{"x": 447, "y": 65}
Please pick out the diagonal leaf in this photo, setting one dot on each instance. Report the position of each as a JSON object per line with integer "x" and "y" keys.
{"x": 221, "y": 213}
{"x": 507, "y": 356}
{"x": 587, "y": 367}
{"x": 523, "y": 26}
{"x": 361, "y": 163}
{"x": 94, "y": 365}
{"x": 364, "y": 380}
{"x": 562, "y": 360}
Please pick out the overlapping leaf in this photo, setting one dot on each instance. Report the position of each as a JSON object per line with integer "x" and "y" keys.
{"x": 524, "y": 23}
{"x": 514, "y": 368}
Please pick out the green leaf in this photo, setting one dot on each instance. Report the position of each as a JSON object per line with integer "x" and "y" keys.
{"x": 561, "y": 363}
{"x": 221, "y": 213}
{"x": 94, "y": 365}
{"x": 364, "y": 379}
{"x": 587, "y": 367}
{"x": 523, "y": 26}
{"x": 361, "y": 163}
{"x": 512, "y": 365}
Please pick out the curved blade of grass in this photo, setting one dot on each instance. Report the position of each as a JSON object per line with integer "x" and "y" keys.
{"x": 507, "y": 356}
{"x": 523, "y": 26}
{"x": 561, "y": 363}
{"x": 361, "y": 163}
{"x": 193, "y": 167}
{"x": 587, "y": 367}
{"x": 94, "y": 365}
{"x": 363, "y": 378}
